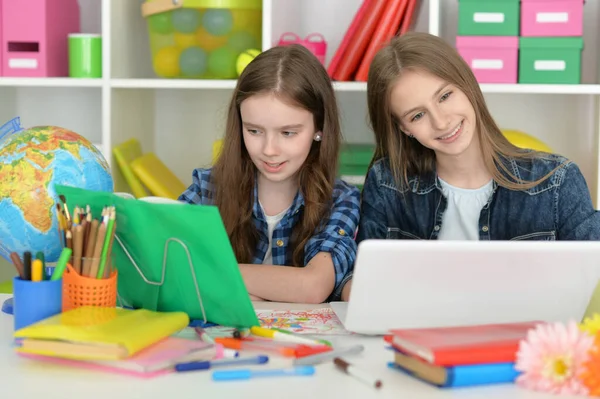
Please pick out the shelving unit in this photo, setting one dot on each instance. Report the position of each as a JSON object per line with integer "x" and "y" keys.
{"x": 179, "y": 119}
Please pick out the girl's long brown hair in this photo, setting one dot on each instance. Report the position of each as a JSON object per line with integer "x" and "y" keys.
{"x": 407, "y": 157}
{"x": 296, "y": 75}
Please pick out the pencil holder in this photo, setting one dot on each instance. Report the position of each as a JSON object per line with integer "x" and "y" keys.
{"x": 87, "y": 291}
{"x": 35, "y": 300}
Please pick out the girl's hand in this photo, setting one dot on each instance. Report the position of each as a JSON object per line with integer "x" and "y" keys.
{"x": 255, "y": 298}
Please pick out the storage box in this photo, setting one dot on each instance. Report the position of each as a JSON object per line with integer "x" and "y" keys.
{"x": 488, "y": 17}
{"x": 1, "y": 39}
{"x": 354, "y": 163}
{"x": 201, "y": 39}
{"x": 552, "y": 18}
{"x": 550, "y": 60}
{"x": 492, "y": 59}
{"x": 32, "y": 42}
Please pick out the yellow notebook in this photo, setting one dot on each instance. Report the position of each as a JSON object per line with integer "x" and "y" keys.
{"x": 155, "y": 175}
{"x": 125, "y": 153}
{"x": 98, "y": 333}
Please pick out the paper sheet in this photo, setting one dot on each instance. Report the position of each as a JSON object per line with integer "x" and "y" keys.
{"x": 322, "y": 321}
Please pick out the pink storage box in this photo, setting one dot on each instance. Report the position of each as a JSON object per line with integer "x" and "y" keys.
{"x": 34, "y": 37}
{"x": 552, "y": 18}
{"x": 493, "y": 59}
{"x": 1, "y": 42}
{"x": 315, "y": 42}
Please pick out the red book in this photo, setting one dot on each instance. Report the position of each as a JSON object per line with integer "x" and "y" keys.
{"x": 454, "y": 346}
{"x": 341, "y": 51}
{"x": 408, "y": 18}
{"x": 358, "y": 45}
{"x": 387, "y": 28}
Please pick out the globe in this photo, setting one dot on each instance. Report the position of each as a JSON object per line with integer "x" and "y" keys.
{"x": 32, "y": 162}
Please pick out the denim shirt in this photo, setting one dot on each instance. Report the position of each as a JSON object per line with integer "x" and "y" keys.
{"x": 559, "y": 208}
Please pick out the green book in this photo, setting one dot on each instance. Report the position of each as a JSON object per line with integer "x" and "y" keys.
{"x": 172, "y": 257}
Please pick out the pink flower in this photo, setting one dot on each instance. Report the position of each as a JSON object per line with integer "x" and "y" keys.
{"x": 552, "y": 357}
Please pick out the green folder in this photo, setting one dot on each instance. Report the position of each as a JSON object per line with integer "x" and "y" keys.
{"x": 172, "y": 257}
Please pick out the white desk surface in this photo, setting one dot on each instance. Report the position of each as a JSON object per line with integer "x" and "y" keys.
{"x": 25, "y": 378}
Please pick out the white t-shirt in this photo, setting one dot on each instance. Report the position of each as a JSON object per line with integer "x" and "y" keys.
{"x": 272, "y": 222}
{"x": 461, "y": 218}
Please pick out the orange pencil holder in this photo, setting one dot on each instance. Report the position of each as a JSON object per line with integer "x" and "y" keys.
{"x": 86, "y": 291}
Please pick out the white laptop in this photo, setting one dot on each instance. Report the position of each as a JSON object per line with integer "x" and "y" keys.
{"x": 417, "y": 284}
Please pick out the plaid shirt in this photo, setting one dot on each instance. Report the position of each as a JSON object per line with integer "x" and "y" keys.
{"x": 336, "y": 238}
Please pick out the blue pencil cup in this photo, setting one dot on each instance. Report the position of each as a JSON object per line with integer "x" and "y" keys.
{"x": 35, "y": 301}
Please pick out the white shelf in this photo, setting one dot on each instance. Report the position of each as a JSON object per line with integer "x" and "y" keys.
{"x": 199, "y": 84}
{"x": 179, "y": 118}
{"x": 541, "y": 89}
{"x": 49, "y": 82}
{"x": 172, "y": 84}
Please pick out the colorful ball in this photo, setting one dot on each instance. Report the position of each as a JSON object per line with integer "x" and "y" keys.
{"x": 244, "y": 59}
{"x": 160, "y": 23}
{"x": 185, "y": 40}
{"x": 209, "y": 42}
{"x": 217, "y": 21}
{"x": 222, "y": 63}
{"x": 166, "y": 62}
{"x": 186, "y": 20}
{"x": 245, "y": 19}
{"x": 240, "y": 41}
{"x": 159, "y": 41}
{"x": 193, "y": 61}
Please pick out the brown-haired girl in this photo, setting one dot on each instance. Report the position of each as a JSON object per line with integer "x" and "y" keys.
{"x": 443, "y": 169}
{"x": 275, "y": 181}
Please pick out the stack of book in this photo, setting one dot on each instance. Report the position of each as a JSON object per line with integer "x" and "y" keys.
{"x": 374, "y": 24}
{"x": 459, "y": 356}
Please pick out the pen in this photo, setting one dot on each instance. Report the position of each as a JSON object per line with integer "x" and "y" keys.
{"x": 316, "y": 341}
{"x": 278, "y": 335}
{"x": 233, "y": 343}
{"x": 37, "y": 270}
{"x": 205, "y": 365}
{"x": 61, "y": 264}
{"x": 356, "y": 373}
{"x": 40, "y": 255}
{"x": 315, "y": 359}
{"x": 27, "y": 265}
{"x": 227, "y": 353}
{"x": 244, "y": 374}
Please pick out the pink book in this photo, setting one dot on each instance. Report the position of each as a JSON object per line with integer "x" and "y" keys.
{"x": 153, "y": 361}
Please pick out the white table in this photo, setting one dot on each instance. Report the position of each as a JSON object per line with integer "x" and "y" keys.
{"x": 24, "y": 378}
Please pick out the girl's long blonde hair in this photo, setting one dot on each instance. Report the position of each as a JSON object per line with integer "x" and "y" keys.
{"x": 296, "y": 75}
{"x": 407, "y": 157}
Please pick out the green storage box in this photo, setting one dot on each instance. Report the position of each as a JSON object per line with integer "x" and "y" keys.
{"x": 488, "y": 17}
{"x": 550, "y": 60}
{"x": 354, "y": 163}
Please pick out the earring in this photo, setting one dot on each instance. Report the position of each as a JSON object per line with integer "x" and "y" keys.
{"x": 408, "y": 134}
{"x": 317, "y": 137}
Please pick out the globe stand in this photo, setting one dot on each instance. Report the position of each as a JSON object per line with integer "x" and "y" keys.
{"x": 7, "y": 306}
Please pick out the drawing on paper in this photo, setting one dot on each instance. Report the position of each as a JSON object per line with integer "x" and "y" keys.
{"x": 317, "y": 321}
